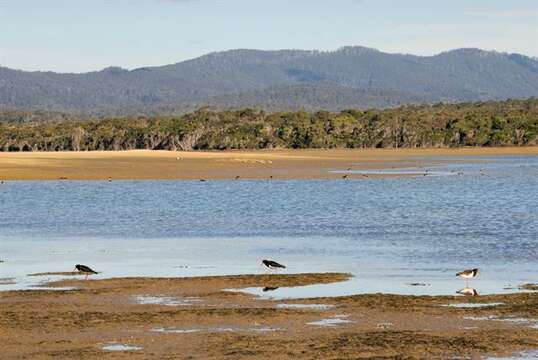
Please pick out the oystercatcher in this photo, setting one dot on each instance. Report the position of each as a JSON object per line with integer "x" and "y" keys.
{"x": 273, "y": 265}
{"x": 467, "y": 274}
{"x": 85, "y": 270}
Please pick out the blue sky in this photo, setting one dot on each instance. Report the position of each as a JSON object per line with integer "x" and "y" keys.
{"x": 86, "y": 35}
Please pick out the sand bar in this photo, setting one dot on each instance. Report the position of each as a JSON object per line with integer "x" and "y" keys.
{"x": 262, "y": 164}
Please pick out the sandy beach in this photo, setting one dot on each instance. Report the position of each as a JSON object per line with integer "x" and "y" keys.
{"x": 188, "y": 318}
{"x": 262, "y": 164}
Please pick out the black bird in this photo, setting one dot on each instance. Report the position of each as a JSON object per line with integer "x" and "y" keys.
{"x": 273, "y": 265}
{"x": 269, "y": 288}
{"x": 85, "y": 270}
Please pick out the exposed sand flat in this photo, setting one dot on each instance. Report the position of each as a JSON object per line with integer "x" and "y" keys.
{"x": 104, "y": 315}
{"x": 262, "y": 164}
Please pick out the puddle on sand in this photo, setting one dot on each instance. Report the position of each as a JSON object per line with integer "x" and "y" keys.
{"x": 121, "y": 347}
{"x": 260, "y": 329}
{"x": 265, "y": 329}
{"x": 164, "y": 300}
{"x": 48, "y": 288}
{"x": 533, "y": 323}
{"x": 495, "y": 318}
{"x": 359, "y": 285}
{"x": 305, "y": 306}
{"x": 175, "y": 330}
{"x": 525, "y": 355}
{"x": 474, "y": 305}
{"x": 331, "y": 322}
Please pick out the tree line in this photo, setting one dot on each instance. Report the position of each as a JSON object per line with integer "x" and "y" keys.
{"x": 503, "y": 123}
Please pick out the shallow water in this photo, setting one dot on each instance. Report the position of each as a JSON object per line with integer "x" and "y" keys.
{"x": 532, "y": 323}
{"x": 175, "y": 330}
{"x": 331, "y": 322}
{"x": 121, "y": 347}
{"x": 474, "y": 305}
{"x": 305, "y": 306}
{"x": 257, "y": 329}
{"x": 388, "y": 233}
{"x": 164, "y": 300}
{"x": 526, "y": 355}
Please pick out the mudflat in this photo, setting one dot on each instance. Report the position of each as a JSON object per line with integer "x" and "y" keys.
{"x": 194, "y": 318}
{"x": 262, "y": 164}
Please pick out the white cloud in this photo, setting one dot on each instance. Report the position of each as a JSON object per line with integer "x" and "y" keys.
{"x": 508, "y": 14}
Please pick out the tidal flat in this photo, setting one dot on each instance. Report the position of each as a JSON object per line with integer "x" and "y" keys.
{"x": 83, "y": 323}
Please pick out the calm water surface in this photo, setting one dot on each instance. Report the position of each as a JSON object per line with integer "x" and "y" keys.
{"x": 388, "y": 233}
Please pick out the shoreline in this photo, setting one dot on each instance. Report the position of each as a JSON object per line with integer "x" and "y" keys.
{"x": 236, "y": 164}
{"x": 199, "y": 317}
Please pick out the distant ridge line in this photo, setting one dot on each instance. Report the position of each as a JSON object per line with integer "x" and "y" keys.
{"x": 349, "y": 77}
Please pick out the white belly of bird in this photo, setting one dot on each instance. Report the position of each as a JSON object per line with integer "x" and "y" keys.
{"x": 467, "y": 276}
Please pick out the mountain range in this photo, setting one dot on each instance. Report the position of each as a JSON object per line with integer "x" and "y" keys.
{"x": 350, "y": 77}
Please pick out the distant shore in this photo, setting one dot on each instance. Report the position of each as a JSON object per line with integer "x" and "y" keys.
{"x": 261, "y": 164}
{"x": 198, "y": 318}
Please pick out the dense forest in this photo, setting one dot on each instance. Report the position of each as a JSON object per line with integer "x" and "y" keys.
{"x": 512, "y": 122}
{"x": 283, "y": 80}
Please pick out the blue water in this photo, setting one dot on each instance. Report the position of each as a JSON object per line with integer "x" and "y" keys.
{"x": 386, "y": 232}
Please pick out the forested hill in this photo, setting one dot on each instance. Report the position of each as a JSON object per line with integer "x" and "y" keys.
{"x": 282, "y": 80}
{"x": 513, "y": 122}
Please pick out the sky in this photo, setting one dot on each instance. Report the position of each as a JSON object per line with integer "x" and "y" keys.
{"x": 89, "y": 35}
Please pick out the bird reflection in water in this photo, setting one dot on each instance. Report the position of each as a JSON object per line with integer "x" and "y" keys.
{"x": 468, "y": 291}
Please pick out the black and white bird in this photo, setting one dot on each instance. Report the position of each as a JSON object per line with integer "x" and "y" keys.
{"x": 467, "y": 274}
{"x": 273, "y": 265}
{"x": 86, "y": 270}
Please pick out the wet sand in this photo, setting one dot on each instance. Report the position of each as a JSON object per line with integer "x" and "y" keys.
{"x": 262, "y": 164}
{"x": 192, "y": 318}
